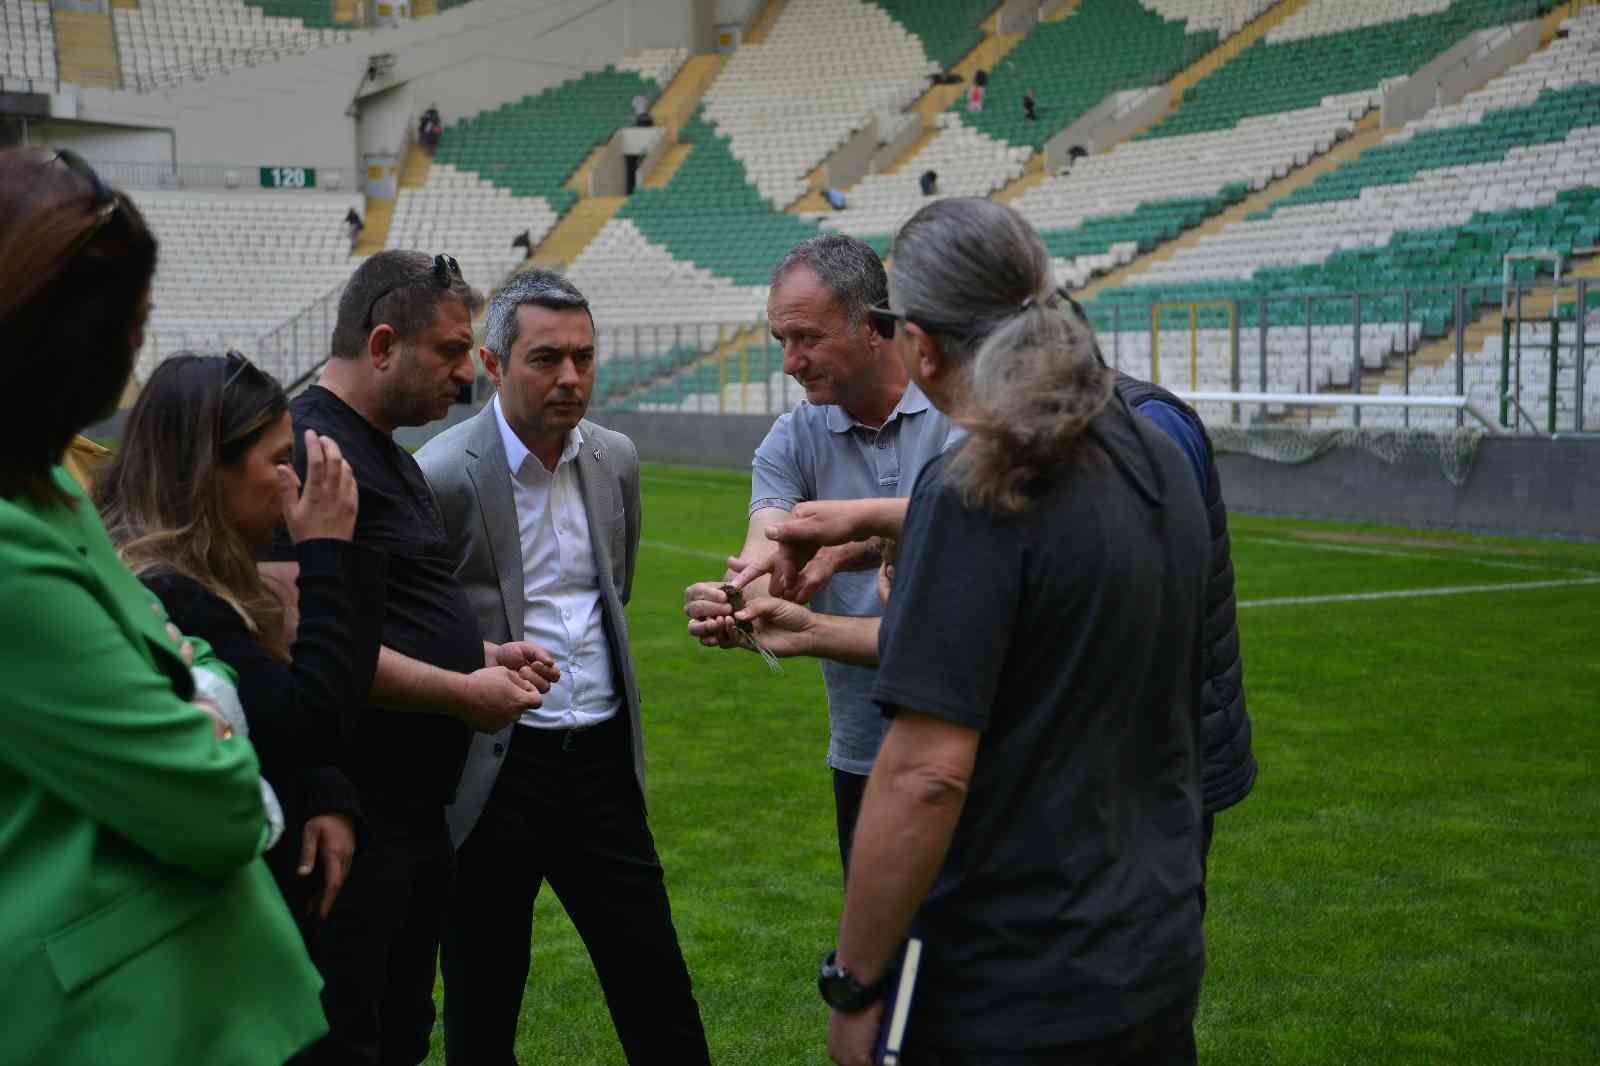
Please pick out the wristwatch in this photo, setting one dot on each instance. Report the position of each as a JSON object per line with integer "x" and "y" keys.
{"x": 843, "y": 992}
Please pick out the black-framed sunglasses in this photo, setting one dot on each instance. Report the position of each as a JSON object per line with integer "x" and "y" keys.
{"x": 106, "y": 202}
{"x": 884, "y": 320}
{"x": 445, "y": 269}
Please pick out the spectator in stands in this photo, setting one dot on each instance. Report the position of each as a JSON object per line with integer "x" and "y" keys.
{"x": 835, "y": 198}
{"x": 354, "y": 225}
{"x": 980, "y": 85}
{"x": 641, "y": 111}
{"x": 1030, "y": 105}
{"x": 1054, "y": 561}
{"x": 402, "y": 348}
{"x": 224, "y": 424}
{"x": 131, "y": 818}
{"x": 429, "y": 127}
{"x": 862, "y": 430}
{"x": 928, "y": 182}
{"x": 559, "y": 797}
{"x": 524, "y": 240}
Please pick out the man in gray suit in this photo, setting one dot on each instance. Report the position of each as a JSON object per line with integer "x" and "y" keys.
{"x": 542, "y": 510}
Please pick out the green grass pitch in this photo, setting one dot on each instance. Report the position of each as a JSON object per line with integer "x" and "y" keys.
{"x": 1413, "y": 879}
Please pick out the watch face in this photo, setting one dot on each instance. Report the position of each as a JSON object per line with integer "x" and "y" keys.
{"x": 841, "y": 991}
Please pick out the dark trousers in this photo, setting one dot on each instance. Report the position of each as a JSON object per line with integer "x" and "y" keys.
{"x": 847, "y": 792}
{"x": 566, "y": 809}
{"x": 378, "y": 947}
{"x": 1165, "y": 1039}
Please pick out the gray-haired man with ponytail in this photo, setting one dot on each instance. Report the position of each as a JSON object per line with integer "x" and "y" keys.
{"x": 1035, "y": 813}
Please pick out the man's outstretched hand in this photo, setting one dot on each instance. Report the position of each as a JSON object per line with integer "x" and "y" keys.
{"x": 706, "y": 605}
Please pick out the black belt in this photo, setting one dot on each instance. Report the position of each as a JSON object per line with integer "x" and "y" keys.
{"x": 577, "y": 738}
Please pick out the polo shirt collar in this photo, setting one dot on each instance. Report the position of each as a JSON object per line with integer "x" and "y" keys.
{"x": 912, "y": 401}
{"x": 517, "y": 453}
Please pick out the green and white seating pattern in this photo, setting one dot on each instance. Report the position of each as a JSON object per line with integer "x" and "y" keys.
{"x": 1438, "y": 205}
{"x": 968, "y": 162}
{"x": 824, "y": 68}
{"x": 471, "y": 219}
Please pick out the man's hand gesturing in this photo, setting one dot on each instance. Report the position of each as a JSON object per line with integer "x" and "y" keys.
{"x": 494, "y": 697}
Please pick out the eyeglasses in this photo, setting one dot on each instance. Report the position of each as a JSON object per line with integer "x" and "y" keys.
{"x": 106, "y": 202}
{"x": 445, "y": 269}
{"x": 884, "y": 319}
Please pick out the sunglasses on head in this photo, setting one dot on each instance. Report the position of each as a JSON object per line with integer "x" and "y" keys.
{"x": 445, "y": 269}
{"x": 106, "y": 202}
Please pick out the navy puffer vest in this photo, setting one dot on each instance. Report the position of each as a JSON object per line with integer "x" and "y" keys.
{"x": 1228, "y": 766}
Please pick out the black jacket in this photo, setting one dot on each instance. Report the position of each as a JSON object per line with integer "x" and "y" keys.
{"x": 1228, "y": 766}
{"x": 301, "y": 713}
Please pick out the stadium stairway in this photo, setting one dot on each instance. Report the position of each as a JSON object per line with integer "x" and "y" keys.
{"x": 590, "y": 214}
{"x": 86, "y": 49}
{"x": 758, "y": 28}
{"x": 380, "y": 212}
{"x": 575, "y": 230}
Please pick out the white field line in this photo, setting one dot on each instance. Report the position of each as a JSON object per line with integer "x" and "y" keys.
{"x": 698, "y": 483}
{"x": 1436, "y": 557}
{"x": 1411, "y": 594}
{"x": 681, "y": 550}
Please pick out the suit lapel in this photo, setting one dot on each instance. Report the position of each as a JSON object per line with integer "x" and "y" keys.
{"x": 491, "y": 481}
{"x": 598, "y": 504}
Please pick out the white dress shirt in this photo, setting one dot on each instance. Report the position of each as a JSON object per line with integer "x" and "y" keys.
{"x": 561, "y": 608}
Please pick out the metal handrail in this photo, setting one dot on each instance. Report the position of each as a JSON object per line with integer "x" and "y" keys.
{"x": 1324, "y": 399}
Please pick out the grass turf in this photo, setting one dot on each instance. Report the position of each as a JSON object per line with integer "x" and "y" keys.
{"x": 1412, "y": 880}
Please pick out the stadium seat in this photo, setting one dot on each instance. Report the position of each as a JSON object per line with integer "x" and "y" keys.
{"x": 824, "y": 68}
{"x": 234, "y": 267}
{"x": 162, "y": 42}
{"x": 28, "y": 52}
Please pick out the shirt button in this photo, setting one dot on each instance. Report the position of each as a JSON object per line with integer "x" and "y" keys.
{"x": 499, "y": 749}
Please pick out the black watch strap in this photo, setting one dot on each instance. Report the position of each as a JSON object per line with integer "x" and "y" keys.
{"x": 843, "y": 992}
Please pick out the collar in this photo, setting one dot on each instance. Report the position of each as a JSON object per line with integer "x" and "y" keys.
{"x": 517, "y": 452}
{"x": 912, "y": 401}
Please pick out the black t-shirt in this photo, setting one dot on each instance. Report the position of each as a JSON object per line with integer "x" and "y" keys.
{"x": 401, "y": 756}
{"x": 1068, "y": 908}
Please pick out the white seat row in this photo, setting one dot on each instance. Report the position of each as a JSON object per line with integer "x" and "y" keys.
{"x": 787, "y": 103}
{"x": 660, "y": 65}
{"x": 1322, "y": 17}
{"x": 1223, "y": 16}
{"x": 460, "y": 214}
{"x": 234, "y": 267}
{"x": 630, "y": 281}
{"x": 27, "y": 46}
{"x": 967, "y": 162}
{"x": 164, "y": 41}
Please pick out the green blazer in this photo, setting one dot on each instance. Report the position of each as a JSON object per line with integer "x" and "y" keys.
{"x": 138, "y": 923}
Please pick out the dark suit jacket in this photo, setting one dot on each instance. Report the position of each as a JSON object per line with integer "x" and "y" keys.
{"x": 467, "y": 469}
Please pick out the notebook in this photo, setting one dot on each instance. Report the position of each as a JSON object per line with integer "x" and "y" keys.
{"x": 902, "y": 984}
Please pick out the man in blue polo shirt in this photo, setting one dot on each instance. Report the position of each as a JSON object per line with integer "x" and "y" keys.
{"x": 863, "y": 430}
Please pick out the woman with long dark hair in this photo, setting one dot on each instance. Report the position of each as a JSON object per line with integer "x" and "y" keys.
{"x": 139, "y": 922}
{"x": 201, "y": 479}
